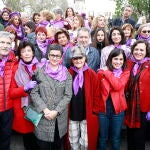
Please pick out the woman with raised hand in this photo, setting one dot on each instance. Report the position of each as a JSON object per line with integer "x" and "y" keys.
{"x": 112, "y": 80}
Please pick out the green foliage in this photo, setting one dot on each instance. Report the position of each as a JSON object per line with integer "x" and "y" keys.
{"x": 35, "y": 5}
{"x": 141, "y": 7}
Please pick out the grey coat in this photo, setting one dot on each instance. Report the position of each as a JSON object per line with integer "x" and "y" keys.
{"x": 55, "y": 95}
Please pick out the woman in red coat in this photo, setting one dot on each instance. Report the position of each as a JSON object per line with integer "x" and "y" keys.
{"x": 21, "y": 85}
{"x": 83, "y": 124}
{"x": 138, "y": 96}
{"x": 112, "y": 105}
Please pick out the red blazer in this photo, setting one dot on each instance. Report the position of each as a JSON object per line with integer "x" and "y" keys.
{"x": 113, "y": 86}
{"x": 144, "y": 86}
{"x": 91, "y": 95}
{"x": 20, "y": 124}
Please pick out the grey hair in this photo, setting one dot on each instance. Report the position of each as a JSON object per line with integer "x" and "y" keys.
{"x": 83, "y": 29}
{"x": 128, "y": 5}
{"x": 5, "y": 34}
{"x": 142, "y": 26}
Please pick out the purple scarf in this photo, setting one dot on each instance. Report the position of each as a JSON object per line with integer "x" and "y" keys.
{"x": 59, "y": 74}
{"x": 69, "y": 45}
{"x": 29, "y": 66}
{"x": 44, "y": 23}
{"x": 117, "y": 72}
{"x": 128, "y": 42}
{"x": 43, "y": 46}
{"x": 144, "y": 38}
{"x": 79, "y": 78}
{"x": 22, "y": 78}
{"x": 138, "y": 63}
{"x": 2, "y": 65}
{"x": 58, "y": 23}
{"x": 18, "y": 30}
{"x": 117, "y": 46}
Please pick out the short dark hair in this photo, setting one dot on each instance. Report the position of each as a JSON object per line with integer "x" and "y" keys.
{"x": 121, "y": 33}
{"x": 31, "y": 25}
{"x": 57, "y": 47}
{"x": 22, "y": 45}
{"x": 35, "y": 14}
{"x": 114, "y": 53}
{"x": 61, "y": 31}
{"x": 144, "y": 42}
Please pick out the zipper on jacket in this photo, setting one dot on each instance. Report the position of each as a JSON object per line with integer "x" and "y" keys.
{"x": 4, "y": 89}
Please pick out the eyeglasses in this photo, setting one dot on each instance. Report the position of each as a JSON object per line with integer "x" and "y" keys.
{"x": 55, "y": 56}
{"x": 76, "y": 58}
{"x": 144, "y": 31}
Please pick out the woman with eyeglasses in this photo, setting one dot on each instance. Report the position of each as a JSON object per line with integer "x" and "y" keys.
{"x": 144, "y": 32}
{"x": 137, "y": 95}
{"x": 51, "y": 97}
{"x": 83, "y": 124}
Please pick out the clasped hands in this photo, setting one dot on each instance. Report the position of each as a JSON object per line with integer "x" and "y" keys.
{"x": 50, "y": 114}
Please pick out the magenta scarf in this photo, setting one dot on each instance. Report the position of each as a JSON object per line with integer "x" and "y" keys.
{"x": 59, "y": 74}
{"x": 79, "y": 78}
{"x": 29, "y": 66}
{"x": 117, "y": 72}
{"x": 2, "y": 65}
{"x": 22, "y": 78}
{"x": 43, "y": 46}
{"x": 138, "y": 63}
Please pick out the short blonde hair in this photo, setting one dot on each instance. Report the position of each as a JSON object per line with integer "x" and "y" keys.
{"x": 47, "y": 14}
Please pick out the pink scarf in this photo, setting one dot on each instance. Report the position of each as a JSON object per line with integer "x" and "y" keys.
{"x": 79, "y": 78}
{"x": 59, "y": 74}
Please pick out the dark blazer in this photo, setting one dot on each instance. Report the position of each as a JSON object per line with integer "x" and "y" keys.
{"x": 119, "y": 22}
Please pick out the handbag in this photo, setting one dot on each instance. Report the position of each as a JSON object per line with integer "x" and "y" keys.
{"x": 32, "y": 115}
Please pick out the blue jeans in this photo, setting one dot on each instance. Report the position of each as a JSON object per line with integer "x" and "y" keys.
{"x": 110, "y": 127}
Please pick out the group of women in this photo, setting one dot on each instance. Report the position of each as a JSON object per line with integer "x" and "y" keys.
{"x": 81, "y": 108}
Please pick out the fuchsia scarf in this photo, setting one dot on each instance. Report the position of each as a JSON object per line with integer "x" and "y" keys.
{"x": 59, "y": 74}
{"x": 79, "y": 78}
